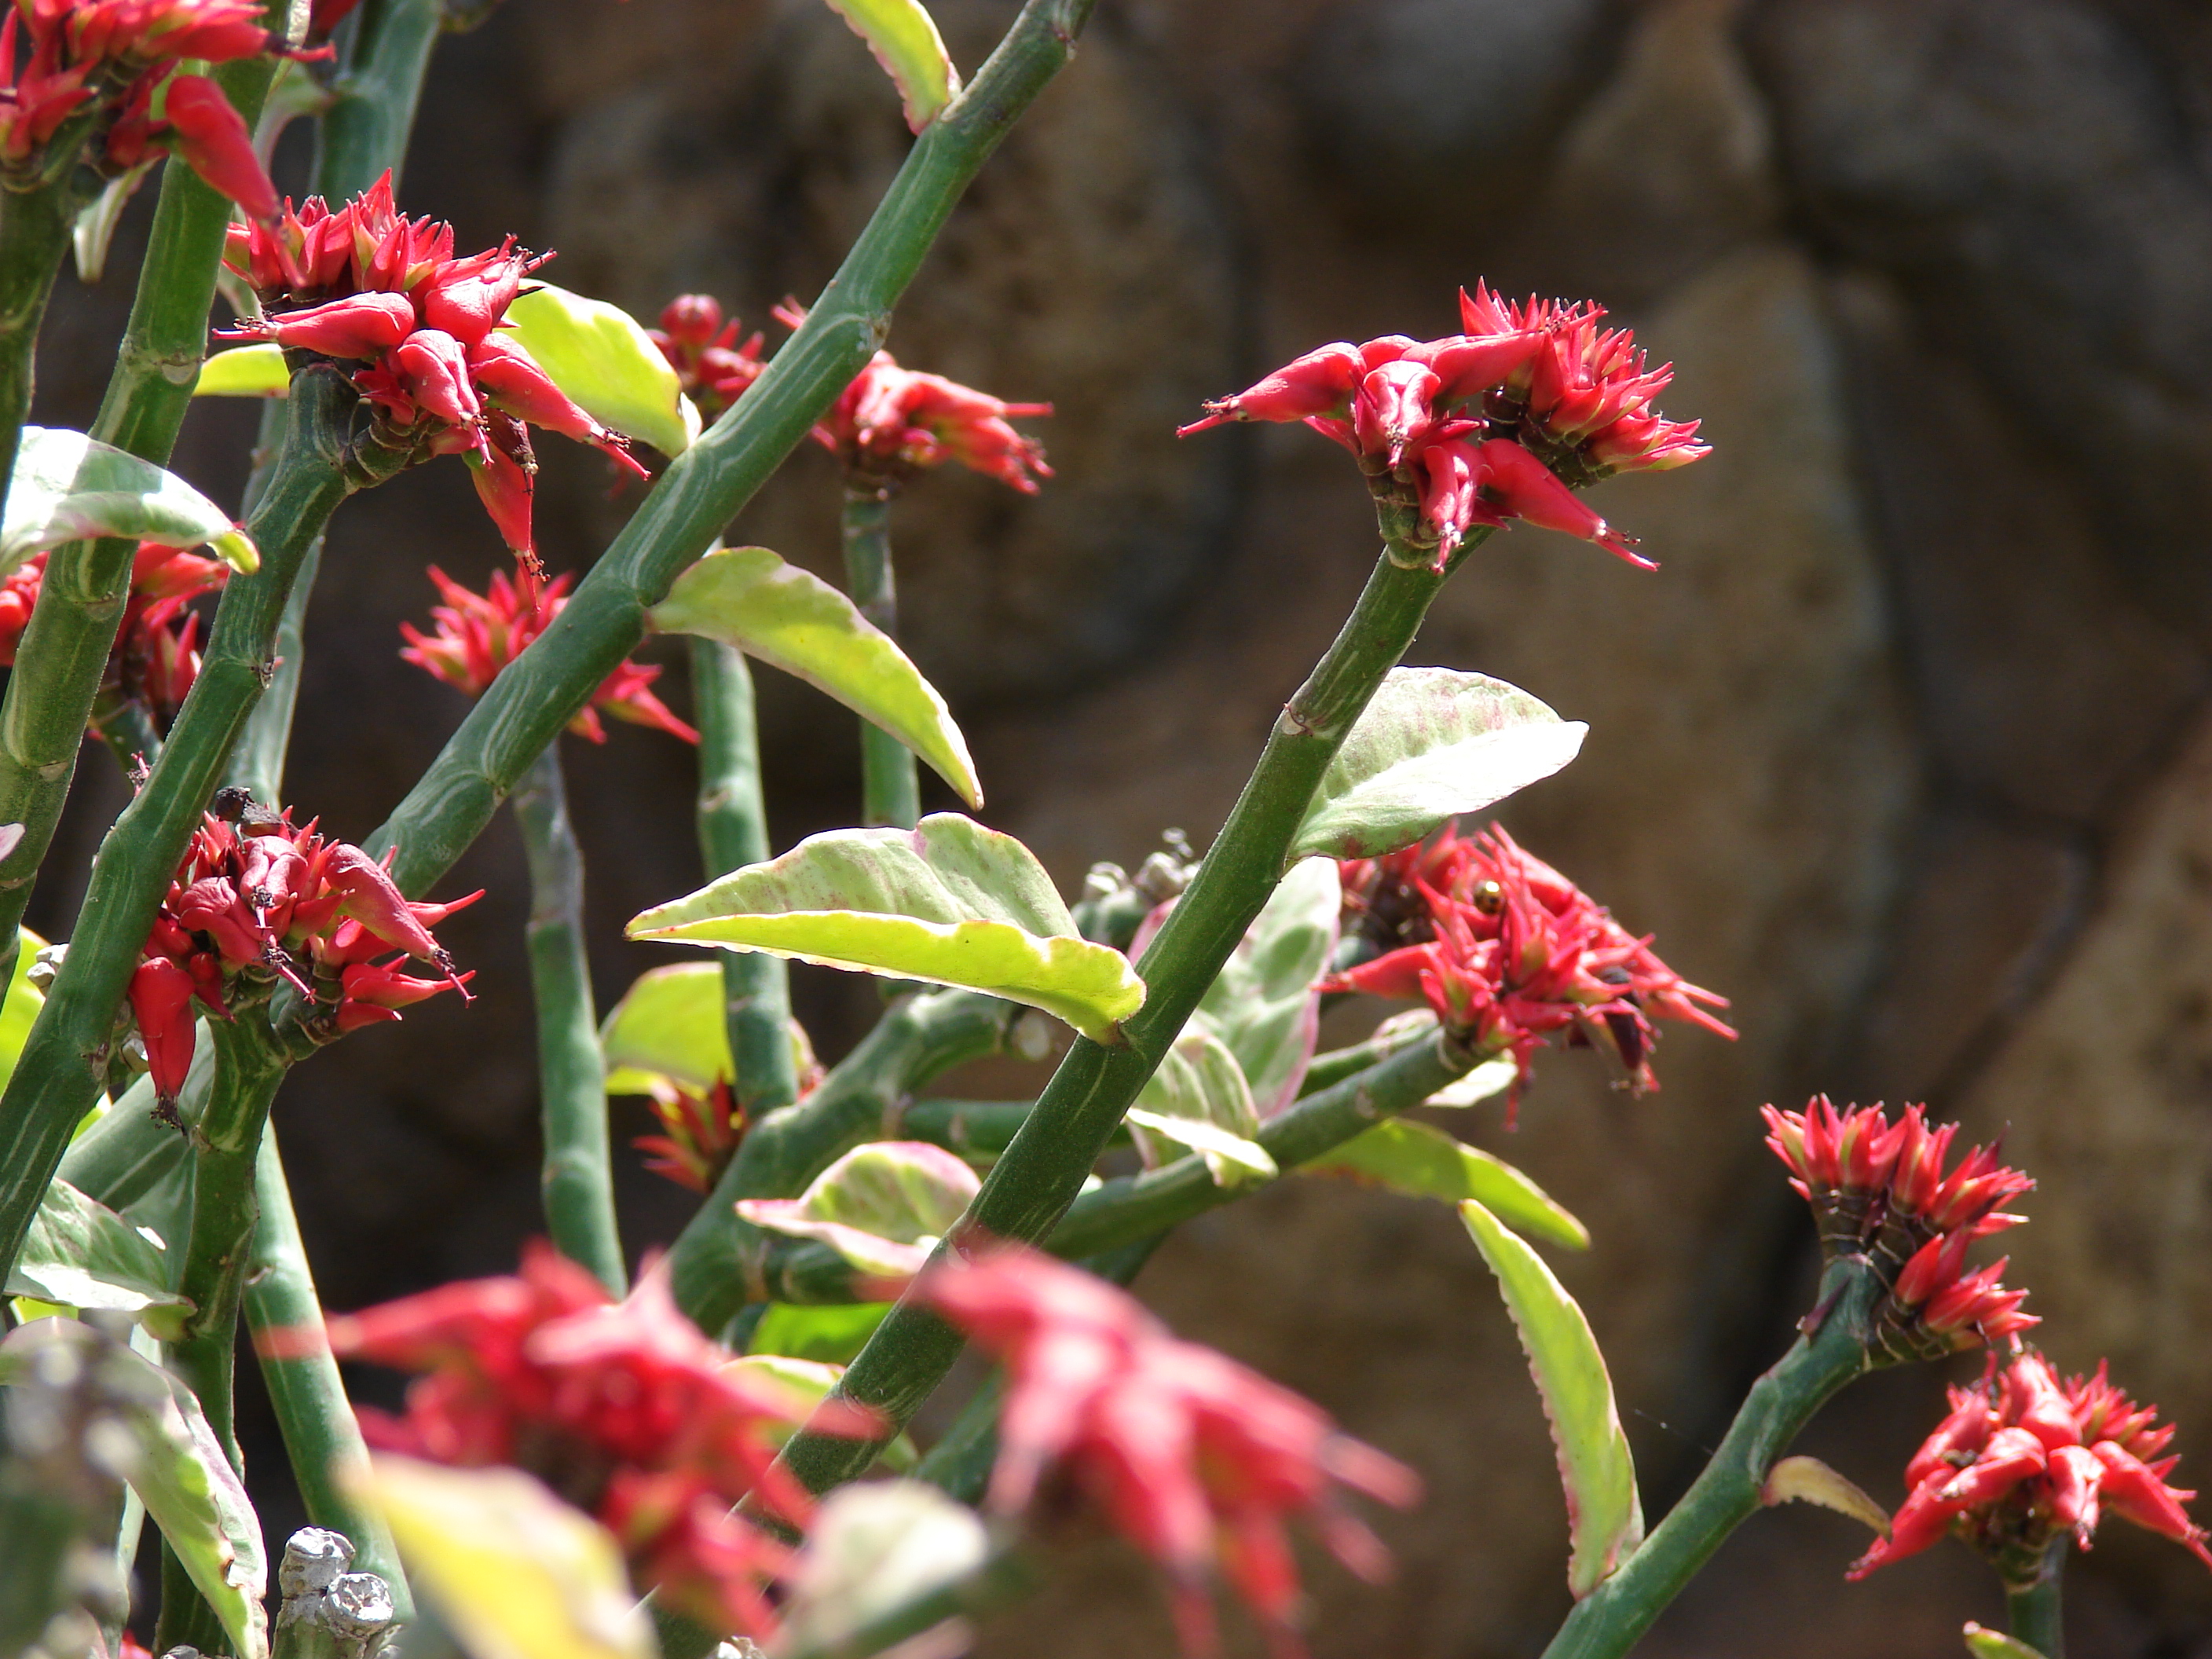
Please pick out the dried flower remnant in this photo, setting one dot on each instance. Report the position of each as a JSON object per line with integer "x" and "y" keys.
{"x": 1195, "y": 1459}
{"x": 2022, "y": 1461}
{"x": 624, "y": 1409}
{"x": 1509, "y": 951}
{"x": 474, "y": 636}
{"x": 1879, "y": 1193}
{"x": 702, "y": 348}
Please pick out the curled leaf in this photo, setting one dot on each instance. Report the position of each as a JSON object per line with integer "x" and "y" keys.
{"x": 246, "y": 371}
{"x": 882, "y": 1207}
{"x": 67, "y": 487}
{"x": 1808, "y": 1480}
{"x": 1262, "y": 1004}
{"x": 1198, "y": 1098}
{"x": 669, "y": 1025}
{"x": 903, "y": 37}
{"x": 1422, "y": 1161}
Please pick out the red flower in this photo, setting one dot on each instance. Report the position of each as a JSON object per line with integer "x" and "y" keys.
{"x": 1507, "y": 950}
{"x": 1195, "y": 1459}
{"x": 478, "y": 634}
{"x": 703, "y": 350}
{"x": 702, "y": 1133}
{"x": 1880, "y": 1192}
{"x": 2020, "y": 1461}
{"x": 624, "y": 1409}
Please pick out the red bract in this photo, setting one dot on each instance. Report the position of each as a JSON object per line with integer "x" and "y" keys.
{"x": 1880, "y": 1194}
{"x": 1507, "y": 952}
{"x": 1195, "y": 1459}
{"x": 365, "y": 285}
{"x": 260, "y": 902}
{"x": 623, "y": 1408}
{"x": 703, "y": 350}
{"x": 477, "y": 635}
{"x": 700, "y": 1134}
{"x": 2020, "y": 1462}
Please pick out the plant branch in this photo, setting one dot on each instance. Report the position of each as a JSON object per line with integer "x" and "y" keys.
{"x": 2034, "y": 1612}
{"x": 372, "y": 100}
{"x": 890, "y": 782}
{"x": 578, "y": 1180}
{"x": 34, "y": 240}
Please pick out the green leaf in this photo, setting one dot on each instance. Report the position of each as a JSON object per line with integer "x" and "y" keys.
{"x": 1808, "y": 1480}
{"x": 603, "y": 358}
{"x": 903, "y": 38}
{"x": 1486, "y": 1082}
{"x": 749, "y": 598}
{"x": 22, "y": 1002}
{"x": 808, "y": 1381}
{"x": 246, "y": 371}
{"x": 833, "y": 1334}
{"x": 1422, "y": 1161}
{"x": 1605, "y": 1518}
{"x": 669, "y": 1025}
{"x": 80, "y": 1254}
{"x": 1986, "y": 1644}
{"x": 512, "y": 1570}
{"x": 874, "y": 1548}
{"x": 1433, "y": 744}
{"x": 1262, "y": 1003}
{"x": 67, "y": 487}
{"x": 949, "y": 903}
{"x": 882, "y": 1207}
{"x": 1198, "y": 1098}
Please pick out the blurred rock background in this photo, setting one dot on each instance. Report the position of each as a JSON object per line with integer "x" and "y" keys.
{"x": 1906, "y": 749}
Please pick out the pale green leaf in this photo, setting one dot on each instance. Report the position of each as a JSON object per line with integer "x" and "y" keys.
{"x": 949, "y": 903}
{"x": 832, "y": 1334}
{"x": 1262, "y": 1003}
{"x": 1434, "y": 743}
{"x": 607, "y": 364}
{"x": 246, "y": 371}
{"x": 80, "y": 1254}
{"x": 903, "y": 38}
{"x": 874, "y": 1548}
{"x": 22, "y": 1002}
{"x": 670, "y": 1023}
{"x": 1986, "y": 1643}
{"x": 1605, "y": 1517}
{"x": 1486, "y": 1082}
{"x": 67, "y": 487}
{"x": 95, "y": 229}
{"x": 1198, "y": 1097}
{"x": 789, "y": 618}
{"x": 1422, "y": 1161}
{"x": 1808, "y": 1480}
{"x": 881, "y": 1206}
{"x": 514, "y": 1572}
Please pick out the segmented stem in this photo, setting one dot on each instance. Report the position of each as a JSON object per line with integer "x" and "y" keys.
{"x": 890, "y": 782}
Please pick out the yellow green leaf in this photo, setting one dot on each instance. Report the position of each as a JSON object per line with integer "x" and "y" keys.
{"x": 1985, "y": 1643}
{"x": 603, "y": 359}
{"x": 1422, "y": 1161}
{"x": 903, "y": 37}
{"x": 67, "y": 487}
{"x": 1808, "y": 1480}
{"x": 1198, "y": 1097}
{"x": 246, "y": 371}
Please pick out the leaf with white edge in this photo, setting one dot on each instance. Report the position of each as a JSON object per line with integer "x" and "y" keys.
{"x": 832, "y": 1334}
{"x": 1986, "y": 1644}
{"x": 948, "y": 901}
{"x": 882, "y": 1207}
{"x": 810, "y": 1380}
{"x": 23, "y": 1000}
{"x": 95, "y": 229}
{"x": 80, "y": 1254}
{"x": 603, "y": 359}
{"x": 67, "y": 487}
{"x": 246, "y": 371}
{"x": 1422, "y": 1161}
{"x": 873, "y": 1548}
{"x": 1808, "y": 1480}
{"x": 1198, "y": 1098}
{"x": 669, "y": 1025}
{"x": 173, "y": 1462}
{"x": 1432, "y": 744}
{"x": 1486, "y": 1082}
{"x": 1262, "y": 1004}
{"x": 903, "y": 37}
{"x": 514, "y": 1572}
{"x": 789, "y": 618}
{"x": 1605, "y": 1518}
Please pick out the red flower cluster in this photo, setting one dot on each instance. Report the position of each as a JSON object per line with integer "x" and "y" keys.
{"x": 1193, "y": 1457}
{"x": 624, "y": 1409}
{"x": 112, "y": 61}
{"x": 2021, "y": 1459}
{"x": 1880, "y": 1192}
{"x": 703, "y": 350}
{"x": 700, "y": 1133}
{"x": 477, "y": 635}
{"x": 260, "y": 902}
{"x": 367, "y": 285}
{"x": 892, "y": 423}
{"x": 156, "y": 656}
{"x": 1488, "y": 425}
{"x": 1507, "y": 950}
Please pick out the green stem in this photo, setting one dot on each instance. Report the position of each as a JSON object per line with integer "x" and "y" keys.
{"x": 1609, "y": 1620}
{"x": 705, "y": 487}
{"x": 257, "y": 761}
{"x": 2032, "y": 1612}
{"x": 322, "y": 1436}
{"x": 1030, "y": 1188}
{"x": 577, "y": 1179}
{"x": 734, "y": 833}
{"x": 371, "y": 113}
{"x": 34, "y": 240}
{"x": 890, "y": 785}
{"x": 59, "y": 1077}
{"x": 979, "y": 1129}
{"x": 1330, "y": 1069}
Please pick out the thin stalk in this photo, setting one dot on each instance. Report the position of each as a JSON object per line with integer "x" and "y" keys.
{"x": 734, "y": 833}
{"x": 322, "y": 1437}
{"x": 1608, "y": 1621}
{"x": 57, "y": 1077}
{"x": 890, "y": 784}
{"x": 705, "y": 487}
{"x": 1030, "y": 1188}
{"x": 577, "y": 1179}
{"x": 371, "y": 113}
{"x": 1330, "y": 1069}
{"x": 2032, "y": 1612}
{"x": 257, "y": 761}
{"x": 34, "y": 240}
{"x": 973, "y": 1128}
